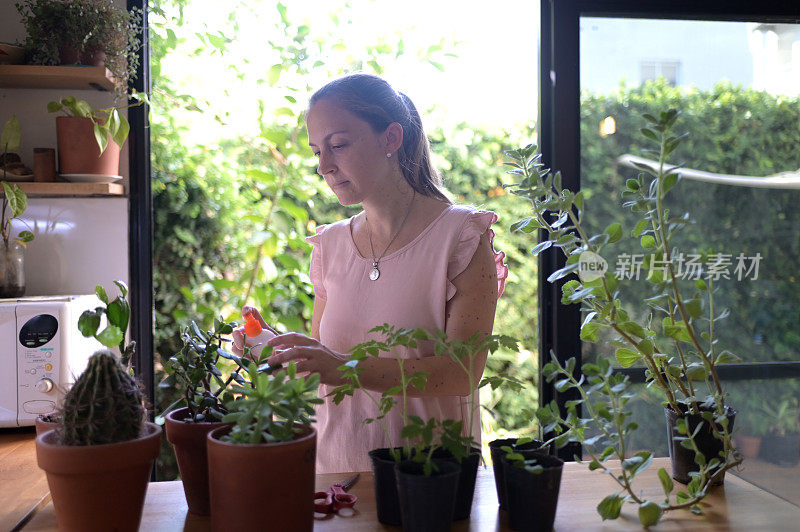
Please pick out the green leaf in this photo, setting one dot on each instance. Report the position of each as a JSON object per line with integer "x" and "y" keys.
{"x": 668, "y": 182}
{"x": 54, "y": 107}
{"x": 101, "y": 136}
{"x": 101, "y": 293}
{"x": 650, "y": 134}
{"x": 696, "y": 372}
{"x": 111, "y": 336}
{"x": 610, "y": 507}
{"x": 119, "y": 313}
{"x": 641, "y": 225}
{"x": 694, "y": 307}
{"x": 589, "y": 332}
{"x": 614, "y": 232}
{"x": 666, "y": 481}
{"x": 122, "y": 131}
{"x": 627, "y": 357}
{"x": 700, "y": 284}
{"x": 541, "y": 246}
{"x": 11, "y": 136}
{"x": 88, "y": 322}
{"x": 649, "y": 513}
{"x": 648, "y": 242}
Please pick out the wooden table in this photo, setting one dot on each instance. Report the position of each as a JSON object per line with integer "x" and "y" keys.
{"x": 738, "y": 505}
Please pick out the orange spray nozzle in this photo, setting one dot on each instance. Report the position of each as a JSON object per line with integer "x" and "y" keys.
{"x": 252, "y": 327}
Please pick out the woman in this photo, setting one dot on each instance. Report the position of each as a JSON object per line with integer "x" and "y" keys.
{"x": 411, "y": 259}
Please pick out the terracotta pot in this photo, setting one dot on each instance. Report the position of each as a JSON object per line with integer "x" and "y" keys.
{"x": 265, "y": 485}
{"x": 68, "y": 55}
{"x": 78, "y": 152}
{"x": 189, "y": 440}
{"x": 749, "y": 446}
{"x": 43, "y": 426}
{"x": 99, "y": 487}
{"x": 93, "y": 57}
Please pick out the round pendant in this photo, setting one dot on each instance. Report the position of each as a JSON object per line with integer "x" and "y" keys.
{"x": 374, "y": 274}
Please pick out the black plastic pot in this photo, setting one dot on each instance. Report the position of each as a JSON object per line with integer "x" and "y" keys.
{"x": 533, "y": 498}
{"x": 427, "y": 503}
{"x": 387, "y": 503}
{"x": 780, "y": 450}
{"x": 466, "y": 480}
{"x": 682, "y": 458}
{"x": 499, "y": 476}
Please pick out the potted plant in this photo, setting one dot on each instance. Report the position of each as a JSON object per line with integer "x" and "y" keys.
{"x": 12, "y": 271}
{"x": 98, "y": 461}
{"x": 532, "y": 480}
{"x": 89, "y": 32}
{"x": 263, "y": 466}
{"x": 117, "y": 312}
{"x": 465, "y": 354}
{"x": 84, "y": 135}
{"x": 467, "y": 455}
{"x": 197, "y": 368}
{"x": 383, "y": 459}
{"x": 680, "y": 358}
{"x": 427, "y": 487}
{"x": 781, "y": 443}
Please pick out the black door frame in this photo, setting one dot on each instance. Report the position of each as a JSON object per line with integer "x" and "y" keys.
{"x": 559, "y": 141}
{"x": 140, "y": 220}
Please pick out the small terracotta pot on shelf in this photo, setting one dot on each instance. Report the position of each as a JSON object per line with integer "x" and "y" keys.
{"x": 78, "y": 152}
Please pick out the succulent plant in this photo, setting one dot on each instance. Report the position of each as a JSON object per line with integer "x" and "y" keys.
{"x": 103, "y": 406}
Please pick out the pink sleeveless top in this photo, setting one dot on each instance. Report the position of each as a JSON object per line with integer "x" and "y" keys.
{"x": 412, "y": 291}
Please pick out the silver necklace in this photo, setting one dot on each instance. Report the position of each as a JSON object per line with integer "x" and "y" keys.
{"x": 375, "y": 272}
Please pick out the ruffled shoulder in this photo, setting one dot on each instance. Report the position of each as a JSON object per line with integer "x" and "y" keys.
{"x": 316, "y": 270}
{"x": 476, "y": 224}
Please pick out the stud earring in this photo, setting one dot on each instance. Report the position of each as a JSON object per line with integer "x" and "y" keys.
{"x": 388, "y": 155}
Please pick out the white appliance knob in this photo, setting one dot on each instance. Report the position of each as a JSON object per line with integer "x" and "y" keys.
{"x": 44, "y": 385}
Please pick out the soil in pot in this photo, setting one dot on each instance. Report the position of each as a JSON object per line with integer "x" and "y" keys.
{"x": 683, "y": 459}
{"x": 533, "y": 498}
{"x": 387, "y": 502}
{"x": 782, "y": 450}
{"x": 189, "y": 441}
{"x": 99, "y": 487}
{"x": 427, "y": 503}
{"x": 468, "y": 471}
{"x": 78, "y": 152}
{"x": 497, "y": 464}
{"x": 255, "y": 487}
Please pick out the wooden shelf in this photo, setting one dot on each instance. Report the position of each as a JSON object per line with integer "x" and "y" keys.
{"x": 56, "y": 77}
{"x": 70, "y": 189}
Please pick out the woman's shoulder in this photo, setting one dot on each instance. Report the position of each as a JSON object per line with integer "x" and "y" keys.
{"x": 331, "y": 231}
{"x": 463, "y": 214}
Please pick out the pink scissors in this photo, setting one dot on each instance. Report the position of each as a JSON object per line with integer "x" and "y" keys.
{"x": 336, "y": 497}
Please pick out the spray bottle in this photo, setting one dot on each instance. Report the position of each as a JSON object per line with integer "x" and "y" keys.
{"x": 256, "y": 337}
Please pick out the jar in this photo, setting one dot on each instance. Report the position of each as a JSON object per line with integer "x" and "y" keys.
{"x": 12, "y": 269}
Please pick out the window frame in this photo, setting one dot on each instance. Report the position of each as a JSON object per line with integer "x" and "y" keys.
{"x": 559, "y": 142}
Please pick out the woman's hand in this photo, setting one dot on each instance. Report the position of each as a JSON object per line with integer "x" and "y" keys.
{"x": 238, "y": 333}
{"x": 309, "y": 355}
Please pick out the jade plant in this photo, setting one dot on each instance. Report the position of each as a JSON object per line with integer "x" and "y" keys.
{"x": 271, "y": 408}
{"x": 105, "y": 405}
{"x": 198, "y": 369}
{"x": 107, "y": 122}
{"x": 675, "y": 341}
{"x": 118, "y": 314}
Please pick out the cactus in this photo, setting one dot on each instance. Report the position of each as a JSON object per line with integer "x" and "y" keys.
{"x": 103, "y": 406}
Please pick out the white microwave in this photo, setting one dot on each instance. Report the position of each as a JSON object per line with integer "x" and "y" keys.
{"x": 41, "y": 353}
